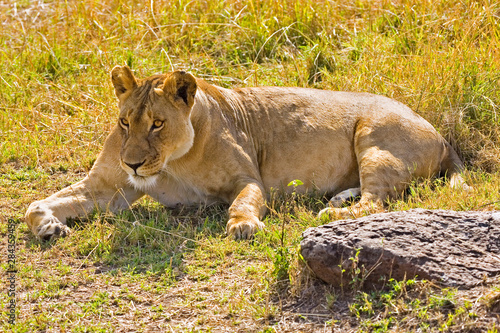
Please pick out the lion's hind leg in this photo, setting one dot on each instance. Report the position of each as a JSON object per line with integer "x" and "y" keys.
{"x": 341, "y": 198}
{"x": 382, "y": 176}
{"x": 368, "y": 204}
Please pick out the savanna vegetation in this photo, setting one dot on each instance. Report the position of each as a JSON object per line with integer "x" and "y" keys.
{"x": 153, "y": 269}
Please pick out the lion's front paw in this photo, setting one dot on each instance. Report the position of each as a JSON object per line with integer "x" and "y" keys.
{"x": 243, "y": 227}
{"x": 52, "y": 229}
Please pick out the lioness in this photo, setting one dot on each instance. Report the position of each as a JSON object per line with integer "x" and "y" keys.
{"x": 182, "y": 140}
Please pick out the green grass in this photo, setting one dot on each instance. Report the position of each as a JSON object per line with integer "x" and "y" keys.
{"x": 151, "y": 269}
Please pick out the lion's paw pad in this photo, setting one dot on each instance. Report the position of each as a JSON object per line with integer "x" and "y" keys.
{"x": 53, "y": 229}
{"x": 244, "y": 229}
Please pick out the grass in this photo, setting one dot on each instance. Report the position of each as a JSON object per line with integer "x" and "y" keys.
{"x": 152, "y": 269}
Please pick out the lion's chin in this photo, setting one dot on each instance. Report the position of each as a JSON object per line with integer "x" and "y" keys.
{"x": 143, "y": 183}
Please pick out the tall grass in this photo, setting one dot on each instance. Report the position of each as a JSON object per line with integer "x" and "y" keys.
{"x": 441, "y": 58}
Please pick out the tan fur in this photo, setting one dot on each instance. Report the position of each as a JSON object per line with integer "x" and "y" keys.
{"x": 181, "y": 140}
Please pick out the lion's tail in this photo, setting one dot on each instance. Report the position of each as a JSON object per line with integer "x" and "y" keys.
{"x": 452, "y": 167}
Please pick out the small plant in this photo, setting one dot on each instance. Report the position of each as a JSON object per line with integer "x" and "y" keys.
{"x": 357, "y": 272}
{"x": 282, "y": 256}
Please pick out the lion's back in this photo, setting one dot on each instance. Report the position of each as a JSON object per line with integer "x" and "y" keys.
{"x": 309, "y": 134}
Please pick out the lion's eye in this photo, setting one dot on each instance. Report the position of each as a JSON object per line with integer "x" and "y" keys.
{"x": 157, "y": 124}
{"x": 124, "y": 122}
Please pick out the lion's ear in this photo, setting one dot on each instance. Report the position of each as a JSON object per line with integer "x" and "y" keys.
{"x": 180, "y": 87}
{"x": 123, "y": 80}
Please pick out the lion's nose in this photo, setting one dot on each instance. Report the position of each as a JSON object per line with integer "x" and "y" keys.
{"x": 135, "y": 166}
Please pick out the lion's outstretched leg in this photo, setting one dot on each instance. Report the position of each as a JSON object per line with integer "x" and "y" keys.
{"x": 47, "y": 218}
{"x": 105, "y": 187}
{"x": 246, "y": 211}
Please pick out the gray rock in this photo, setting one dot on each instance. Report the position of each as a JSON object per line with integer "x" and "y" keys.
{"x": 459, "y": 249}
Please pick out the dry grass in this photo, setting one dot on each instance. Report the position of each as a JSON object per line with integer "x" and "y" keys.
{"x": 156, "y": 270}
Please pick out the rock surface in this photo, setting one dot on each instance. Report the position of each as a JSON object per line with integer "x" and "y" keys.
{"x": 458, "y": 249}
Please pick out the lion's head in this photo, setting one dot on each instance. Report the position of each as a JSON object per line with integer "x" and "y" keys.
{"x": 154, "y": 121}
